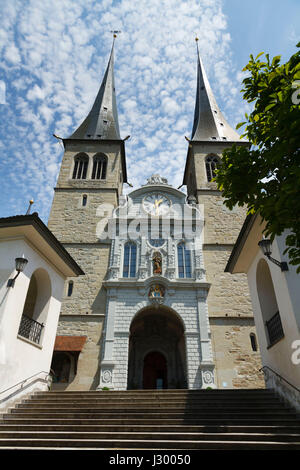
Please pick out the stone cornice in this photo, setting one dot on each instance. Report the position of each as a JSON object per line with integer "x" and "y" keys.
{"x": 134, "y": 283}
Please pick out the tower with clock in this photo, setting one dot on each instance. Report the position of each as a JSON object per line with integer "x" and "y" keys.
{"x": 154, "y": 308}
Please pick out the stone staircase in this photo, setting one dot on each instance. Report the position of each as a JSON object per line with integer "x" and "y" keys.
{"x": 151, "y": 419}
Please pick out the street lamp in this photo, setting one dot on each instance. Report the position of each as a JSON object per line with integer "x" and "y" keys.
{"x": 265, "y": 246}
{"x": 20, "y": 265}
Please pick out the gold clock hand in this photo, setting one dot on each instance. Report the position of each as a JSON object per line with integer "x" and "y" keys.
{"x": 156, "y": 203}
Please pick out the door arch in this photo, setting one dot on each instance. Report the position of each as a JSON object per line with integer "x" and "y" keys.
{"x": 157, "y": 351}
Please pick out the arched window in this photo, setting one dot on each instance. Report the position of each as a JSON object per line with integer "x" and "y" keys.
{"x": 36, "y": 306}
{"x": 268, "y": 303}
{"x": 129, "y": 265}
{"x": 211, "y": 163}
{"x": 84, "y": 200}
{"x": 81, "y": 162}
{"x": 184, "y": 261}
{"x": 99, "y": 167}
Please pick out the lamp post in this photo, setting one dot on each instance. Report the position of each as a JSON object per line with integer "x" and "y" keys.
{"x": 266, "y": 247}
{"x": 20, "y": 265}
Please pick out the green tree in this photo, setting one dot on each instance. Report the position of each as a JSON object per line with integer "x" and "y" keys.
{"x": 266, "y": 175}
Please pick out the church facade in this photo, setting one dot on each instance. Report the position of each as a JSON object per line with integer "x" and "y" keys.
{"x": 155, "y": 308}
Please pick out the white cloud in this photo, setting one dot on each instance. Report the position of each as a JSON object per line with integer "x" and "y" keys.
{"x": 57, "y": 51}
{"x": 12, "y": 54}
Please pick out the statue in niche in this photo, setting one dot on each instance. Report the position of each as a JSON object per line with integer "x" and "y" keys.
{"x": 157, "y": 263}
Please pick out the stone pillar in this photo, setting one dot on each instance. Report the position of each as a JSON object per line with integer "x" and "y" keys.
{"x": 193, "y": 359}
{"x": 108, "y": 362}
{"x": 206, "y": 367}
{"x": 121, "y": 346}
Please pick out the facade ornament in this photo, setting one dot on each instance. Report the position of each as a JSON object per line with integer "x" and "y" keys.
{"x": 106, "y": 376}
{"x": 207, "y": 377}
{"x": 192, "y": 201}
{"x": 199, "y": 273}
{"x": 156, "y": 294}
{"x": 113, "y": 272}
{"x": 157, "y": 179}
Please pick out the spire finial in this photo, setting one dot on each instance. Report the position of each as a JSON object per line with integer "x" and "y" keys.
{"x": 115, "y": 33}
{"x": 197, "y": 40}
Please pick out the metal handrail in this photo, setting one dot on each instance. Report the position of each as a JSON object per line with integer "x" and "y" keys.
{"x": 25, "y": 380}
{"x": 280, "y": 376}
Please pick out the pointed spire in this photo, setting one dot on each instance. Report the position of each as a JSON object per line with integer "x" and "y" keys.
{"x": 209, "y": 122}
{"x": 102, "y": 121}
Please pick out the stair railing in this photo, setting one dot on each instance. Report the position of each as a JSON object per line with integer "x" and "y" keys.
{"x": 21, "y": 384}
{"x": 280, "y": 377}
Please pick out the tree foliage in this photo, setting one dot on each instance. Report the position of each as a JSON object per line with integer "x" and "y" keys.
{"x": 266, "y": 176}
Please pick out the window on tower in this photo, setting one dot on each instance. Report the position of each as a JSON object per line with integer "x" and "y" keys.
{"x": 184, "y": 261}
{"x": 129, "y": 264}
{"x": 81, "y": 162}
{"x": 99, "y": 167}
{"x": 211, "y": 163}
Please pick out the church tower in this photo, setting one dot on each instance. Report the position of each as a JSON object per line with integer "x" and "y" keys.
{"x": 89, "y": 185}
{"x": 229, "y": 307}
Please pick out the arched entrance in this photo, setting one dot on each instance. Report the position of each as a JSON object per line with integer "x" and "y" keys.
{"x": 157, "y": 357}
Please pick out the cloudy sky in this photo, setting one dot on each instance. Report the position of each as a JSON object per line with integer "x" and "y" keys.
{"x": 53, "y": 57}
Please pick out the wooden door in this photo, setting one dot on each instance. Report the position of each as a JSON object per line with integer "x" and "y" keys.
{"x": 155, "y": 371}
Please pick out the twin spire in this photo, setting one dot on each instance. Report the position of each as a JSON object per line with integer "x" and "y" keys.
{"x": 209, "y": 122}
{"x": 102, "y": 121}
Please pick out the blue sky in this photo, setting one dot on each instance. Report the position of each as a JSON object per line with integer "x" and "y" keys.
{"x": 53, "y": 56}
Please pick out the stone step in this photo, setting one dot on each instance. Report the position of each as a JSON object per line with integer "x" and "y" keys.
{"x": 123, "y": 444}
{"x": 176, "y": 399}
{"x": 150, "y": 404}
{"x": 132, "y": 409}
{"x": 249, "y": 429}
{"x": 161, "y": 436}
{"x": 211, "y": 395}
{"x": 155, "y": 421}
{"x": 160, "y": 393}
{"x": 150, "y": 414}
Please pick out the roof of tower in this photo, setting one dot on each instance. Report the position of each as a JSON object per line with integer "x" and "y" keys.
{"x": 102, "y": 121}
{"x": 209, "y": 122}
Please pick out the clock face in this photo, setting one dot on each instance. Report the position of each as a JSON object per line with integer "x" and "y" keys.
{"x": 156, "y": 204}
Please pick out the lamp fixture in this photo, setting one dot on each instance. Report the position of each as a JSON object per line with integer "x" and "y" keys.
{"x": 266, "y": 247}
{"x": 20, "y": 265}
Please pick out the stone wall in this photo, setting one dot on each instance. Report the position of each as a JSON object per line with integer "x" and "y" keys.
{"x": 229, "y": 293}
{"x": 73, "y": 223}
{"x": 87, "y": 377}
{"x": 237, "y": 365}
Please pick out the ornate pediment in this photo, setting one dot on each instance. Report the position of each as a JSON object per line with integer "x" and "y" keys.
{"x": 157, "y": 179}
